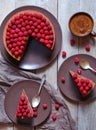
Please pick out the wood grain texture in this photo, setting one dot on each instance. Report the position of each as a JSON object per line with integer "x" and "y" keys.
{"x": 86, "y": 112}
{"x": 83, "y": 114}
{"x": 51, "y": 70}
{"x": 65, "y": 10}
{"x": 6, "y": 8}
{"x": 19, "y": 127}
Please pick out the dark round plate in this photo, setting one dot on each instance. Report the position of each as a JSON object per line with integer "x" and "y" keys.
{"x": 68, "y": 89}
{"x": 36, "y": 56}
{"x": 31, "y": 88}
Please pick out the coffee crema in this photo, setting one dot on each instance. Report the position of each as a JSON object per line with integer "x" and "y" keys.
{"x": 81, "y": 24}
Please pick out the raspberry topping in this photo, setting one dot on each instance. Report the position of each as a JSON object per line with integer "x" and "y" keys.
{"x": 24, "y": 25}
{"x": 24, "y": 109}
{"x": 84, "y": 84}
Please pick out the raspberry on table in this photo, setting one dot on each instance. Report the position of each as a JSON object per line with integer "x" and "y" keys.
{"x": 72, "y": 42}
{"x": 64, "y": 54}
{"x": 57, "y": 106}
{"x": 54, "y": 117}
{"x": 87, "y": 47}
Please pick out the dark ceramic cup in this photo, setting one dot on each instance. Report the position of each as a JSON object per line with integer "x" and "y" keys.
{"x": 81, "y": 24}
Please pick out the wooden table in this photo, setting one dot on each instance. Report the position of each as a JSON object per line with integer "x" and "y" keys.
{"x": 83, "y": 114}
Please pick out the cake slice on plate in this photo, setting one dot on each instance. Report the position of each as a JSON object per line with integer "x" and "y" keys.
{"x": 84, "y": 85}
{"x": 24, "y": 112}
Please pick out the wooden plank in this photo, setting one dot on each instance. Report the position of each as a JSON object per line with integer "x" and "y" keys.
{"x": 5, "y": 8}
{"x": 51, "y": 70}
{"x": 86, "y": 112}
{"x": 65, "y": 10}
{"x": 51, "y": 6}
{"x": 6, "y": 126}
{"x": 19, "y": 127}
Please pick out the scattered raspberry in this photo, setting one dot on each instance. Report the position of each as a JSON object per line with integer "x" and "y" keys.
{"x": 76, "y": 60}
{"x": 54, "y": 117}
{"x": 35, "y": 114}
{"x": 63, "y": 54}
{"x": 45, "y": 106}
{"x": 87, "y": 47}
{"x": 72, "y": 42}
{"x": 34, "y": 109}
{"x": 62, "y": 79}
{"x": 79, "y": 71}
{"x": 57, "y": 106}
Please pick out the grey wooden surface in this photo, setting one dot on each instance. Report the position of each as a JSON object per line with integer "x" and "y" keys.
{"x": 83, "y": 114}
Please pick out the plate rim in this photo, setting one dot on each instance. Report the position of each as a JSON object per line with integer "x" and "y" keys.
{"x": 50, "y": 18}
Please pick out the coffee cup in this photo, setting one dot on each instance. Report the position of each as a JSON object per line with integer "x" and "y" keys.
{"x": 81, "y": 24}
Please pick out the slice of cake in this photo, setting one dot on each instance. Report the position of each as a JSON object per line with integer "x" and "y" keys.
{"x": 84, "y": 85}
{"x": 23, "y": 25}
{"x": 24, "y": 112}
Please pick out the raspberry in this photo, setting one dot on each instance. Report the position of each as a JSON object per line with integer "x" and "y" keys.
{"x": 87, "y": 47}
{"x": 81, "y": 88}
{"x": 72, "y": 42}
{"x": 27, "y": 110}
{"x": 62, "y": 79}
{"x": 16, "y": 53}
{"x": 20, "y": 103}
{"x": 10, "y": 46}
{"x": 75, "y": 76}
{"x": 29, "y": 115}
{"x": 23, "y": 110}
{"x": 87, "y": 81}
{"x": 45, "y": 106}
{"x": 63, "y": 53}
{"x": 79, "y": 85}
{"x": 35, "y": 114}
{"x": 76, "y": 81}
{"x": 76, "y": 60}
{"x": 84, "y": 84}
{"x": 24, "y": 114}
{"x": 86, "y": 88}
{"x": 82, "y": 80}
{"x": 57, "y": 106}
{"x": 84, "y": 92}
{"x": 20, "y": 51}
{"x": 48, "y": 45}
{"x": 34, "y": 109}
{"x": 54, "y": 117}
{"x": 79, "y": 71}
{"x": 25, "y": 102}
{"x": 22, "y": 98}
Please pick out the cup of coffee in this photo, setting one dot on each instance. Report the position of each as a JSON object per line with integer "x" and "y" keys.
{"x": 81, "y": 24}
